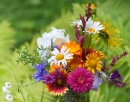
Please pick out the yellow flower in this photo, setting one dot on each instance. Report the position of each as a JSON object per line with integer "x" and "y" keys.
{"x": 93, "y": 63}
{"x": 74, "y": 48}
{"x": 109, "y": 35}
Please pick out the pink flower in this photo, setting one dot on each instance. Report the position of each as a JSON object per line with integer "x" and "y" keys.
{"x": 80, "y": 80}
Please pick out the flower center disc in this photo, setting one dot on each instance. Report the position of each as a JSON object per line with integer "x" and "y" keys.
{"x": 59, "y": 81}
{"x": 91, "y": 30}
{"x": 59, "y": 57}
{"x": 92, "y": 63}
{"x": 81, "y": 80}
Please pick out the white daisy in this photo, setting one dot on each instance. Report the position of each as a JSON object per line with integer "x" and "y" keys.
{"x": 60, "y": 57}
{"x": 8, "y": 84}
{"x": 9, "y": 98}
{"x": 5, "y": 90}
{"x": 93, "y": 27}
{"x": 47, "y": 39}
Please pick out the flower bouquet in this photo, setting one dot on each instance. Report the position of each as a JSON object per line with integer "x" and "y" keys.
{"x": 70, "y": 69}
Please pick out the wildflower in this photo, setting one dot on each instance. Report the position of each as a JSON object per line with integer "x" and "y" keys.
{"x": 49, "y": 78}
{"x": 45, "y": 43}
{"x": 40, "y": 71}
{"x": 93, "y": 63}
{"x": 74, "y": 63}
{"x": 5, "y": 90}
{"x": 74, "y": 48}
{"x": 58, "y": 87}
{"x": 8, "y": 85}
{"x": 40, "y": 66}
{"x": 93, "y": 27}
{"x": 80, "y": 80}
{"x": 9, "y": 97}
{"x": 117, "y": 79}
{"x": 96, "y": 83}
{"x": 108, "y": 36}
{"x": 39, "y": 75}
{"x": 60, "y": 57}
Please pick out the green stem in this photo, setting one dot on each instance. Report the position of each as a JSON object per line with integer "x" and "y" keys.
{"x": 42, "y": 95}
{"x": 23, "y": 86}
{"x": 19, "y": 88}
{"x": 90, "y": 41}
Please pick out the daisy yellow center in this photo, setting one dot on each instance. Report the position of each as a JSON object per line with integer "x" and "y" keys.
{"x": 59, "y": 81}
{"x": 91, "y": 30}
{"x": 81, "y": 80}
{"x": 60, "y": 57}
{"x": 92, "y": 63}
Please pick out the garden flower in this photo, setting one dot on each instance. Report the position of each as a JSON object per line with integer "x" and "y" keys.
{"x": 5, "y": 89}
{"x": 74, "y": 48}
{"x": 117, "y": 79}
{"x": 49, "y": 78}
{"x": 9, "y": 98}
{"x": 40, "y": 71}
{"x": 93, "y": 63}
{"x": 58, "y": 87}
{"x": 96, "y": 83}
{"x": 60, "y": 57}
{"x": 80, "y": 80}
{"x": 108, "y": 36}
{"x": 75, "y": 62}
{"x": 8, "y": 85}
{"x": 93, "y": 27}
{"x": 45, "y": 43}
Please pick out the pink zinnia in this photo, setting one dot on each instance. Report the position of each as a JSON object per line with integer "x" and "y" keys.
{"x": 80, "y": 80}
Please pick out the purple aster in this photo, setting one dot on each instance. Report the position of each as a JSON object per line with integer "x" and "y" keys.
{"x": 80, "y": 80}
{"x": 49, "y": 78}
{"x": 96, "y": 83}
{"x": 117, "y": 79}
{"x": 40, "y": 66}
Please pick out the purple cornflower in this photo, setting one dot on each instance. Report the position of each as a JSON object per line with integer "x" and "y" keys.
{"x": 40, "y": 71}
{"x": 49, "y": 78}
{"x": 117, "y": 79}
{"x": 40, "y": 66}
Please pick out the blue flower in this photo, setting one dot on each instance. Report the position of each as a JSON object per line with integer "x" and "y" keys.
{"x": 40, "y": 72}
{"x": 40, "y": 66}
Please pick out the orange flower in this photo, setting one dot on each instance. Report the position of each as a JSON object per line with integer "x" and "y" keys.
{"x": 99, "y": 53}
{"x": 75, "y": 62}
{"x": 53, "y": 67}
{"x": 74, "y": 48}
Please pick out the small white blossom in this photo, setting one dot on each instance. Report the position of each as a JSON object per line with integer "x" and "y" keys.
{"x": 5, "y": 90}
{"x": 9, "y": 97}
{"x": 8, "y": 85}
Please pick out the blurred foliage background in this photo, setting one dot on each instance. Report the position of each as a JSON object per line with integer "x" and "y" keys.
{"x": 23, "y": 21}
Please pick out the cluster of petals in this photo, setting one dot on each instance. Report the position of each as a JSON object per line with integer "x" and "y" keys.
{"x": 47, "y": 39}
{"x": 91, "y": 27}
{"x": 6, "y": 90}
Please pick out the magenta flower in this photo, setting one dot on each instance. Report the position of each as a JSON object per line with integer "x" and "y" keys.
{"x": 80, "y": 80}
